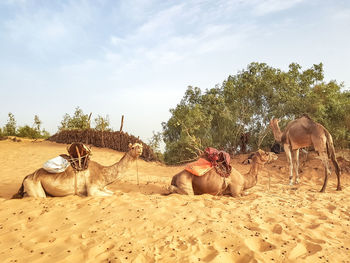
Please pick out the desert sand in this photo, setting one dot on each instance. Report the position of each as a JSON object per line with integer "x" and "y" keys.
{"x": 274, "y": 223}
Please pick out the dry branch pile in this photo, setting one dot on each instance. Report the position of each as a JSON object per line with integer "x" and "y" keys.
{"x": 118, "y": 141}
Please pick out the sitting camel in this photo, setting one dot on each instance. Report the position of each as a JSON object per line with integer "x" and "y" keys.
{"x": 214, "y": 184}
{"x": 301, "y": 133}
{"x": 90, "y": 182}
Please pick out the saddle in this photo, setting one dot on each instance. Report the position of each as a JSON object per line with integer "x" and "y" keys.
{"x": 212, "y": 158}
{"x": 220, "y": 160}
{"x": 79, "y": 156}
{"x": 199, "y": 167}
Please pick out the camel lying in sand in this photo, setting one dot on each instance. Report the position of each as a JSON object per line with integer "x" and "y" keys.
{"x": 304, "y": 132}
{"x": 90, "y": 182}
{"x": 212, "y": 183}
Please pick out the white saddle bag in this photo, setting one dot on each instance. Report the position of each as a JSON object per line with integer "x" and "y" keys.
{"x": 56, "y": 165}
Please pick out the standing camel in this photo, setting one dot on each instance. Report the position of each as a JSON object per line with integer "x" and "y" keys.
{"x": 90, "y": 182}
{"x": 304, "y": 132}
{"x": 212, "y": 183}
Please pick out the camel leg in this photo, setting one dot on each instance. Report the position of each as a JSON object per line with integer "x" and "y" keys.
{"x": 295, "y": 160}
{"x": 182, "y": 184}
{"x": 108, "y": 191}
{"x": 337, "y": 171}
{"x": 184, "y": 188}
{"x": 236, "y": 190}
{"x": 33, "y": 188}
{"x": 327, "y": 171}
{"x": 95, "y": 191}
{"x": 180, "y": 190}
{"x": 287, "y": 150}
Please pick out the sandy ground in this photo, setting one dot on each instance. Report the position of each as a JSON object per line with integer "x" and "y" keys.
{"x": 138, "y": 224}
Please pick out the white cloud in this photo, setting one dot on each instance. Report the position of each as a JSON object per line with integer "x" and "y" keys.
{"x": 263, "y": 7}
{"x": 45, "y": 29}
{"x": 110, "y": 52}
{"x": 116, "y": 40}
{"x": 342, "y": 15}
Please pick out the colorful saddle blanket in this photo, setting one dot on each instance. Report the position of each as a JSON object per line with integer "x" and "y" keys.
{"x": 213, "y": 158}
{"x": 199, "y": 167}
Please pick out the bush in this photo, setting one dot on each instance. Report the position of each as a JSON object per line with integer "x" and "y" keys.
{"x": 28, "y": 132}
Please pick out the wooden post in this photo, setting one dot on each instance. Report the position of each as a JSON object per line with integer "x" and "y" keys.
{"x": 103, "y": 143}
{"x": 87, "y": 139}
{"x": 121, "y": 124}
{"x": 120, "y": 133}
{"x": 89, "y": 120}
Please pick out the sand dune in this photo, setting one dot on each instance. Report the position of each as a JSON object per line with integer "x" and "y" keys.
{"x": 138, "y": 224}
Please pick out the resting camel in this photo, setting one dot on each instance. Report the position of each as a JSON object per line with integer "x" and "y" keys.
{"x": 214, "y": 184}
{"x": 90, "y": 182}
{"x": 304, "y": 132}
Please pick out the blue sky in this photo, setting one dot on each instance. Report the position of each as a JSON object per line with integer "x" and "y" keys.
{"x": 136, "y": 58}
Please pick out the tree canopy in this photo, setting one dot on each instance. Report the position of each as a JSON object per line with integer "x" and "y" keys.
{"x": 246, "y": 102}
{"x": 79, "y": 120}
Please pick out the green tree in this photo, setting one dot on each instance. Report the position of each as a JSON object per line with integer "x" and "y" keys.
{"x": 155, "y": 144}
{"x": 102, "y": 123}
{"x": 10, "y": 127}
{"x": 2, "y": 134}
{"x": 189, "y": 126}
{"x": 246, "y": 102}
{"x": 37, "y": 123}
{"x": 45, "y": 134}
{"x": 79, "y": 120}
{"x": 28, "y": 132}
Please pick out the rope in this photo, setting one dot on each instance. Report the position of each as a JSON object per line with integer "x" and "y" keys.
{"x": 137, "y": 173}
{"x": 71, "y": 158}
{"x": 75, "y": 183}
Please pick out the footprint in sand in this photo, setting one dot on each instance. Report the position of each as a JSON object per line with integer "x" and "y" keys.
{"x": 257, "y": 244}
{"x": 211, "y": 255}
{"x": 312, "y": 248}
{"x": 297, "y": 251}
{"x": 304, "y": 250}
{"x": 313, "y": 226}
{"x": 315, "y": 240}
{"x": 331, "y": 208}
{"x": 277, "y": 229}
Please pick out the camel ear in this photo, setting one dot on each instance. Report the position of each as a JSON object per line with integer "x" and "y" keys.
{"x": 260, "y": 152}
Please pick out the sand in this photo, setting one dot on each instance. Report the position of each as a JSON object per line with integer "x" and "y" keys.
{"x": 138, "y": 224}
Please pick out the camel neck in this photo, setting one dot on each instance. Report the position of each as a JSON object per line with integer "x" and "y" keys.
{"x": 112, "y": 173}
{"x": 277, "y": 134}
{"x": 251, "y": 178}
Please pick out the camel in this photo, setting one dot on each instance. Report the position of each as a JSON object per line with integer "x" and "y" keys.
{"x": 304, "y": 132}
{"x": 90, "y": 182}
{"x": 212, "y": 183}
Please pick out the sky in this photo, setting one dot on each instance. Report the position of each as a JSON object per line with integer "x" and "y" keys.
{"x": 137, "y": 58}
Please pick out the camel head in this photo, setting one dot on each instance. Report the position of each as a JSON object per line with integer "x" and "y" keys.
{"x": 135, "y": 150}
{"x": 277, "y": 134}
{"x": 274, "y": 122}
{"x": 263, "y": 157}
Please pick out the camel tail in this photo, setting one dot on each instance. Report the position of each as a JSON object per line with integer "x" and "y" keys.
{"x": 20, "y": 193}
{"x": 331, "y": 152}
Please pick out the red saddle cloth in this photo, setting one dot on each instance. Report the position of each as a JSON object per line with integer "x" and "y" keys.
{"x": 199, "y": 167}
